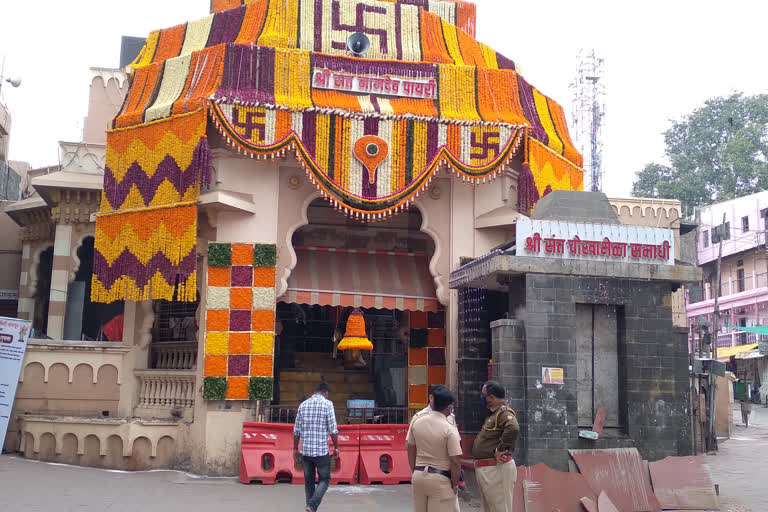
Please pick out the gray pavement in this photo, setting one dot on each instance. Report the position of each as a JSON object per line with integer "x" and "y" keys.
{"x": 37, "y": 486}
{"x": 740, "y": 466}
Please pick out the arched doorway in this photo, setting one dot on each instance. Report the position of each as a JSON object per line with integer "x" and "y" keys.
{"x": 382, "y": 268}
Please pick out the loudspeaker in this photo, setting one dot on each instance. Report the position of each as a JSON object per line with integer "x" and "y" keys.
{"x": 358, "y": 44}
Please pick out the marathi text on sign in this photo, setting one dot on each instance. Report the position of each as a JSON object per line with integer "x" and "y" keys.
{"x": 605, "y": 248}
{"x": 389, "y": 86}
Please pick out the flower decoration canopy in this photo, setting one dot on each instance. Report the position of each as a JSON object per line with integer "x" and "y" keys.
{"x": 275, "y": 76}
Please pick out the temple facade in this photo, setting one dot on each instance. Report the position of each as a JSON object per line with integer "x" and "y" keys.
{"x": 259, "y": 183}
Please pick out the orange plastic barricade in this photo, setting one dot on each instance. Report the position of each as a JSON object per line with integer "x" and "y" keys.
{"x": 383, "y": 457}
{"x": 267, "y": 454}
{"x": 347, "y": 468}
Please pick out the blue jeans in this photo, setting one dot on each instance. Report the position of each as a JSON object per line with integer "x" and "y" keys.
{"x": 323, "y": 466}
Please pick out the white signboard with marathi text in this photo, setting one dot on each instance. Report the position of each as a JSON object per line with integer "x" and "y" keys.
{"x": 14, "y": 335}
{"x": 384, "y": 85}
{"x": 598, "y": 242}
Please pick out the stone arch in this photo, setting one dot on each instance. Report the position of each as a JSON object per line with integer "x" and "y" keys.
{"x": 114, "y": 452}
{"x": 637, "y": 212}
{"x": 68, "y": 449}
{"x": 108, "y": 374}
{"x": 649, "y": 212}
{"x": 33, "y": 372}
{"x": 625, "y": 211}
{"x": 41, "y": 288}
{"x": 58, "y": 373}
{"x": 47, "y": 447}
{"x": 441, "y": 290}
{"x": 83, "y": 374}
{"x": 303, "y": 220}
{"x": 91, "y": 455}
{"x": 141, "y": 455}
{"x": 165, "y": 452}
{"x": 674, "y": 213}
{"x": 28, "y": 445}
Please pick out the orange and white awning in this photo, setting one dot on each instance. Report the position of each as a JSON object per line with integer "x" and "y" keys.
{"x": 359, "y": 278}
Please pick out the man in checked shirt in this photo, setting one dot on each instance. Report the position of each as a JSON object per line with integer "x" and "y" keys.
{"x": 315, "y": 421}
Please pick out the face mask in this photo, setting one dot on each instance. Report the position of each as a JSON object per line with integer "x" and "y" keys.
{"x": 484, "y": 401}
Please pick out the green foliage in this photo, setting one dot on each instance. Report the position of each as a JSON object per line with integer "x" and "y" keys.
{"x": 419, "y": 338}
{"x": 264, "y": 255}
{"x": 260, "y": 388}
{"x": 215, "y": 388}
{"x": 716, "y": 153}
{"x": 219, "y": 255}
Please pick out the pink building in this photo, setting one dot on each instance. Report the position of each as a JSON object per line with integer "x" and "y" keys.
{"x": 744, "y": 271}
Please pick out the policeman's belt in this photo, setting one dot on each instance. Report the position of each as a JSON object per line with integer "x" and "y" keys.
{"x": 430, "y": 469}
{"x": 482, "y": 463}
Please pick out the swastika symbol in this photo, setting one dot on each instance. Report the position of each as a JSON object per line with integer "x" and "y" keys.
{"x": 490, "y": 143}
{"x": 359, "y": 25}
{"x": 249, "y": 124}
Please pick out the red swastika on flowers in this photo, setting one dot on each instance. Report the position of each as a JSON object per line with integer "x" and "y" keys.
{"x": 489, "y": 143}
{"x": 249, "y": 125}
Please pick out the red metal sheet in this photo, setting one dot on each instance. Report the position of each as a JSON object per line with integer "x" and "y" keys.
{"x": 621, "y": 474}
{"x": 684, "y": 483}
{"x": 546, "y": 489}
{"x": 589, "y": 504}
{"x": 604, "y": 503}
{"x": 602, "y": 414}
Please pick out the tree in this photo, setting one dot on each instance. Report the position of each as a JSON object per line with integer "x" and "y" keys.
{"x": 718, "y": 152}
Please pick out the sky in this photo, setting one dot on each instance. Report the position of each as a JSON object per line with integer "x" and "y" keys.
{"x": 663, "y": 59}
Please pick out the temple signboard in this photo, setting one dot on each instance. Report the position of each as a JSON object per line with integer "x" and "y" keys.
{"x": 597, "y": 242}
{"x": 384, "y": 85}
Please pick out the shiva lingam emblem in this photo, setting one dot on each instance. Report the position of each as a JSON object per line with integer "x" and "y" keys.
{"x": 371, "y": 151}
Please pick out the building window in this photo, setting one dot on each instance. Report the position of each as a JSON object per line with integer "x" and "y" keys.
{"x": 739, "y": 263}
{"x": 715, "y": 235}
{"x": 705, "y": 238}
{"x": 740, "y": 280}
{"x": 726, "y": 233}
{"x": 174, "y": 321}
{"x": 745, "y": 224}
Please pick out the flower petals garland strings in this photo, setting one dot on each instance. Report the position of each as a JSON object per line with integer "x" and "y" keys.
{"x": 146, "y": 232}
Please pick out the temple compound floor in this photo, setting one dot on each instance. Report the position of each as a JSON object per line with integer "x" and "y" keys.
{"x": 38, "y": 486}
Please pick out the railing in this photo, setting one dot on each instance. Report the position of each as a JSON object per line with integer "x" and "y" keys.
{"x": 383, "y": 415}
{"x": 734, "y": 286}
{"x": 166, "y": 389}
{"x": 173, "y": 355}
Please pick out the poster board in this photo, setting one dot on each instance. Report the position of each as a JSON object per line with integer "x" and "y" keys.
{"x": 14, "y": 336}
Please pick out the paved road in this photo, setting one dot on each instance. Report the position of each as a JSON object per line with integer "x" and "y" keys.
{"x": 37, "y": 486}
{"x": 740, "y": 467}
{"x": 741, "y": 464}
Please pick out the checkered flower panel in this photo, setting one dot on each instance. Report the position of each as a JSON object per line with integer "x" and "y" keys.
{"x": 426, "y": 355}
{"x": 240, "y": 320}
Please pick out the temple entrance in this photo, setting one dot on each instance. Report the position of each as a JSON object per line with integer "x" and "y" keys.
{"x": 380, "y": 269}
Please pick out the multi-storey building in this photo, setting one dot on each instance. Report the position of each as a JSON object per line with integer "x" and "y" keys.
{"x": 740, "y": 227}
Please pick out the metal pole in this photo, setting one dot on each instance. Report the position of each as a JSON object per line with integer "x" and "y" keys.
{"x": 716, "y": 329}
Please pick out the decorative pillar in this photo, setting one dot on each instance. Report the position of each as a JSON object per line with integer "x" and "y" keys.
{"x": 26, "y": 292}
{"x": 62, "y": 266}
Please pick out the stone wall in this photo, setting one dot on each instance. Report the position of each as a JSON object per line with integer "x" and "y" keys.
{"x": 652, "y": 360}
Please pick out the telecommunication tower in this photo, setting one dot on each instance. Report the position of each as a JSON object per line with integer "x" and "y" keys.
{"x": 588, "y": 109}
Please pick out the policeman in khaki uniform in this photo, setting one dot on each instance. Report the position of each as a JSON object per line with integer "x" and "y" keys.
{"x": 451, "y": 419}
{"x": 434, "y": 453}
{"x": 495, "y": 470}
